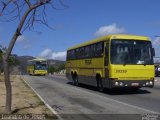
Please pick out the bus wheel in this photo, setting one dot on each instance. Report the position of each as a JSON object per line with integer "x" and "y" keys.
{"x": 75, "y": 80}
{"x": 99, "y": 83}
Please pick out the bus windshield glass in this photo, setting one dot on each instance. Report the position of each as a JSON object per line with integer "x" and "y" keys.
{"x": 131, "y": 52}
{"x": 41, "y": 65}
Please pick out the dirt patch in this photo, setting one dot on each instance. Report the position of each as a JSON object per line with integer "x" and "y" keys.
{"x": 24, "y": 100}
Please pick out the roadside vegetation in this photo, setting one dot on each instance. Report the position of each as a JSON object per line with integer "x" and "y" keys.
{"x": 12, "y": 59}
{"x": 53, "y": 70}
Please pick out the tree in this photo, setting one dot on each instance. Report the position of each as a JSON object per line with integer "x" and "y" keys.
{"x": 51, "y": 70}
{"x": 1, "y": 54}
{"x": 2, "y": 51}
{"x": 27, "y": 12}
{"x": 12, "y": 59}
{"x": 61, "y": 67}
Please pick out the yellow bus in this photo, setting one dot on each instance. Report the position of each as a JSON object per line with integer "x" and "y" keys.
{"x": 112, "y": 61}
{"x": 37, "y": 67}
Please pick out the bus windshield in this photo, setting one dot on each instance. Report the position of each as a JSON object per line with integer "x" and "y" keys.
{"x": 41, "y": 66}
{"x": 131, "y": 52}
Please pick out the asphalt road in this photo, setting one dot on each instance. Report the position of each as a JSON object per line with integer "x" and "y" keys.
{"x": 84, "y": 102}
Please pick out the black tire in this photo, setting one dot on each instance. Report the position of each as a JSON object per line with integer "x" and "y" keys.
{"x": 72, "y": 78}
{"x": 75, "y": 80}
{"x": 99, "y": 83}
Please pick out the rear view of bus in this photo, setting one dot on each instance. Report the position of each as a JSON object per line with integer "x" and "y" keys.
{"x": 131, "y": 61}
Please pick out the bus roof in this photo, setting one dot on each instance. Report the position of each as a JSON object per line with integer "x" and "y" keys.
{"x": 38, "y": 59}
{"x": 112, "y": 36}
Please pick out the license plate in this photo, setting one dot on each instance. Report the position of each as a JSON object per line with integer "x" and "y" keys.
{"x": 135, "y": 84}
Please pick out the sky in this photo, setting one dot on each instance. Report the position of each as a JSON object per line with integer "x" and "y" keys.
{"x": 84, "y": 20}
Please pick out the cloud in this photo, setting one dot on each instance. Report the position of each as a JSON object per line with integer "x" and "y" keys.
{"x": 49, "y": 54}
{"x": 156, "y": 45}
{"x": 156, "y": 41}
{"x": 109, "y": 29}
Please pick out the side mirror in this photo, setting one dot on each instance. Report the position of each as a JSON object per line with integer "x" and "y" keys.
{"x": 153, "y": 51}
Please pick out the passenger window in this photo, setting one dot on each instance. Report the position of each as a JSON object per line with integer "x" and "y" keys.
{"x": 99, "y": 49}
{"x": 81, "y": 52}
{"x": 73, "y": 56}
{"x": 77, "y": 53}
{"x": 92, "y": 51}
{"x": 87, "y": 52}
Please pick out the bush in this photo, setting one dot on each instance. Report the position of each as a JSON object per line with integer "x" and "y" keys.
{"x": 12, "y": 59}
{"x": 51, "y": 70}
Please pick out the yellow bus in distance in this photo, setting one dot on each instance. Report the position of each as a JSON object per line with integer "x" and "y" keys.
{"x": 37, "y": 67}
{"x": 112, "y": 61}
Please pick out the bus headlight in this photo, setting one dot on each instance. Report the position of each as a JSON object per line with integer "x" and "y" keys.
{"x": 121, "y": 84}
{"x": 116, "y": 84}
{"x": 147, "y": 83}
{"x": 151, "y": 83}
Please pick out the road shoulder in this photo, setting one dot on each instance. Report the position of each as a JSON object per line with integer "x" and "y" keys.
{"x": 24, "y": 100}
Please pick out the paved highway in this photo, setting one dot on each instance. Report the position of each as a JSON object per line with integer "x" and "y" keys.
{"x": 85, "y": 102}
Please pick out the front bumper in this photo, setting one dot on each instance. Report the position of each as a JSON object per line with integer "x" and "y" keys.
{"x": 132, "y": 83}
{"x": 40, "y": 72}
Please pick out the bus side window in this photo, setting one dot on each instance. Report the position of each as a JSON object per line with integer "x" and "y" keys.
{"x": 77, "y": 53}
{"x": 81, "y": 55}
{"x": 99, "y": 49}
{"x": 87, "y": 52}
{"x": 92, "y": 50}
{"x": 72, "y": 57}
{"x": 68, "y": 55}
